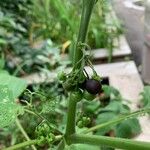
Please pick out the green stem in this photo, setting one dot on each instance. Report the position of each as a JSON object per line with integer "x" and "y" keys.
{"x": 24, "y": 132}
{"x": 78, "y": 54}
{"x": 61, "y": 145}
{"x": 71, "y": 114}
{"x": 29, "y": 143}
{"x": 111, "y": 142}
{"x": 118, "y": 120}
{"x": 43, "y": 118}
{"x": 21, "y": 145}
{"x": 85, "y": 18}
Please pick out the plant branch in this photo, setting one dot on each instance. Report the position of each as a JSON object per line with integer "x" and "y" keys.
{"x": 111, "y": 142}
{"x": 42, "y": 118}
{"x": 21, "y": 145}
{"x": 118, "y": 120}
{"x": 24, "y": 132}
{"x": 61, "y": 145}
{"x": 29, "y": 143}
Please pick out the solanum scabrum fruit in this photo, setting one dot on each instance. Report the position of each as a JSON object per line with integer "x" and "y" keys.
{"x": 93, "y": 86}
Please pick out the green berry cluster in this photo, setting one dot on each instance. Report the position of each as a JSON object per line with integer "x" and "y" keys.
{"x": 44, "y": 134}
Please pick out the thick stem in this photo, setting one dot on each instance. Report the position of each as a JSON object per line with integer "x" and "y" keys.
{"x": 21, "y": 145}
{"x": 71, "y": 114}
{"x": 24, "y": 132}
{"x": 85, "y": 18}
{"x": 111, "y": 142}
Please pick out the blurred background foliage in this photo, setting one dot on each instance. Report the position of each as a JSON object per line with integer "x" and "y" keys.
{"x": 39, "y": 30}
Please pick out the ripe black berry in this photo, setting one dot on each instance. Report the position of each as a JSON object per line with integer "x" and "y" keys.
{"x": 93, "y": 86}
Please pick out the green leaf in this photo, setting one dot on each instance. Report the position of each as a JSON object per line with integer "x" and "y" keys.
{"x": 146, "y": 96}
{"x": 48, "y": 106}
{"x": 106, "y": 148}
{"x": 2, "y": 41}
{"x": 10, "y": 88}
{"x": 105, "y": 117}
{"x": 109, "y": 90}
{"x": 116, "y": 107}
{"x": 81, "y": 147}
{"x": 9, "y": 110}
{"x": 91, "y": 107}
{"x": 128, "y": 128}
{"x": 16, "y": 85}
{"x": 2, "y": 63}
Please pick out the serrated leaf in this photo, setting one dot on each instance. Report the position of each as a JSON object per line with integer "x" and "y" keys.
{"x": 16, "y": 85}
{"x": 9, "y": 110}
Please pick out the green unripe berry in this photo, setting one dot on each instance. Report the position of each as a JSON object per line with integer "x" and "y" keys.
{"x": 50, "y": 137}
{"x": 86, "y": 120}
{"x": 62, "y": 76}
{"x": 41, "y": 140}
{"x": 76, "y": 95}
{"x": 80, "y": 124}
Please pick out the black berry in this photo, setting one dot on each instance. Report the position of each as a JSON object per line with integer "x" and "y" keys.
{"x": 93, "y": 86}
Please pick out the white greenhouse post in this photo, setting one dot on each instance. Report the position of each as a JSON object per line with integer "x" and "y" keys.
{"x": 146, "y": 50}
